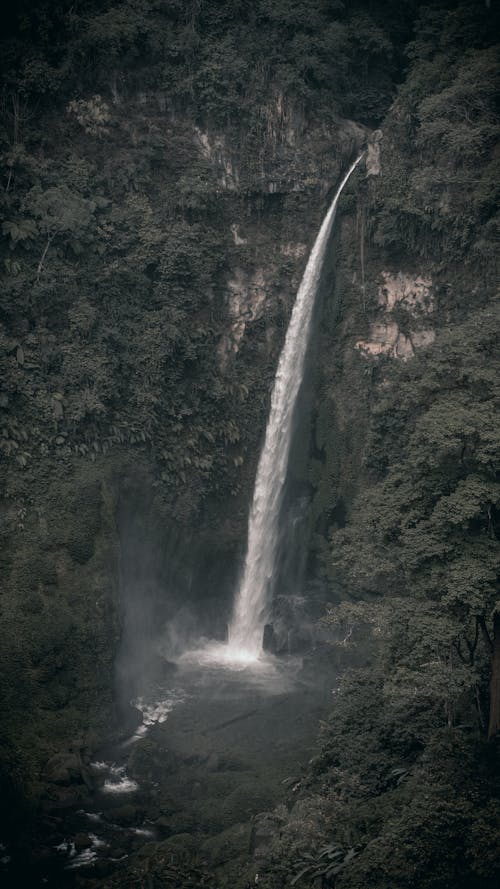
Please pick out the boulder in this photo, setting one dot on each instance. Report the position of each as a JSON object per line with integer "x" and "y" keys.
{"x": 63, "y": 768}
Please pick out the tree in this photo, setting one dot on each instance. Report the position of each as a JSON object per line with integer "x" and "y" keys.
{"x": 427, "y": 530}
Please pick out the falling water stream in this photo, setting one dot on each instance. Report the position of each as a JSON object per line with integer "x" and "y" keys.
{"x": 255, "y": 591}
{"x": 254, "y": 596}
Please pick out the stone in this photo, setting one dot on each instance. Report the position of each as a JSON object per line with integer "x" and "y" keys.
{"x": 125, "y": 815}
{"x": 82, "y": 841}
{"x": 63, "y": 768}
{"x": 164, "y": 825}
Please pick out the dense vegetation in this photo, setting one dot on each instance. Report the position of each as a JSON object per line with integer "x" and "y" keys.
{"x": 116, "y": 250}
{"x": 108, "y": 287}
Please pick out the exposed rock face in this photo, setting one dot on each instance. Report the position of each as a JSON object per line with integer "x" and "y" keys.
{"x": 246, "y": 299}
{"x": 237, "y": 238}
{"x": 408, "y": 296}
{"x": 373, "y": 154}
{"x": 412, "y": 291}
{"x": 61, "y": 553}
{"x": 214, "y": 149}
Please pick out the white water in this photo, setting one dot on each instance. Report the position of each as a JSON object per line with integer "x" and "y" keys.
{"x": 154, "y": 712}
{"x": 254, "y": 595}
{"x": 116, "y": 781}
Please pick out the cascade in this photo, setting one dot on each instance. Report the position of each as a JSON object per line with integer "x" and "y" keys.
{"x": 253, "y": 599}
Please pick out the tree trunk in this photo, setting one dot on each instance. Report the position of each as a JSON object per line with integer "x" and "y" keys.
{"x": 494, "y": 724}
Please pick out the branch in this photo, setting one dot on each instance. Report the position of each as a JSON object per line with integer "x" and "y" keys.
{"x": 486, "y": 636}
{"x": 458, "y": 649}
{"x": 473, "y": 645}
{"x": 479, "y": 708}
{"x": 50, "y": 238}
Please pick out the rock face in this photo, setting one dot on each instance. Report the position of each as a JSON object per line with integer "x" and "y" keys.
{"x": 214, "y": 149}
{"x": 373, "y": 165}
{"x": 62, "y": 616}
{"x": 64, "y": 550}
{"x": 246, "y": 299}
{"x": 401, "y": 296}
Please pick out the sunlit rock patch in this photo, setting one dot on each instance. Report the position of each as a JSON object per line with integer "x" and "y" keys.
{"x": 296, "y": 251}
{"x": 401, "y": 293}
{"x": 246, "y": 298}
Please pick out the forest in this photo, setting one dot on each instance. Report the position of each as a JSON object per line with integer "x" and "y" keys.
{"x": 165, "y": 166}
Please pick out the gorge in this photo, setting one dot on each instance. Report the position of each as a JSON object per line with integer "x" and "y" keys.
{"x": 249, "y": 458}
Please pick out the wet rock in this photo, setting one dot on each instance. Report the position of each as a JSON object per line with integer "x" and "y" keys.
{"x": 167, "y": 668}
{"x": 152, "y": 761}
{"x": 269, "y": 643}
{"x": 82, "y": 841}
{"x": 130, "y": 718}
{"x": 102, "y": 868}
{"x": 167, "y": 806}
{"x": 125, "y": 815}
{"x": 118, "y": 852}
{"x": 63, "y": 768}
{"x": 164, "y": 826}
{"x": 59, "y": 797}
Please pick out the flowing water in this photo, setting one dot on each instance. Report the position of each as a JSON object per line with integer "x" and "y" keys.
{"x": 255, "y": 592}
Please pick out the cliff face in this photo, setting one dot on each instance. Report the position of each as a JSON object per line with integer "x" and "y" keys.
{"x": 166, "y": 344}
{"x": 200, "y": 372}
{"x": 164, "y": 176}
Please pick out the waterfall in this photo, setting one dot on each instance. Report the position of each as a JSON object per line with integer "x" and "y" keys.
{"x": 253, "y": 599}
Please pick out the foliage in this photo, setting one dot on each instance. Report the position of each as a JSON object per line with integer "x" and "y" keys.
{"x": 440, "y": 197}
{"x": 403, "y": 763}
{"x": 222, "y": 57}
{"x": 325, "y": 864}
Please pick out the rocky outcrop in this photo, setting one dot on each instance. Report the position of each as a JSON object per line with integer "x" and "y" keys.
{"x": 247, "y": 293}
{"x": 373, "y": 164}
{"x": 402, "y": 325}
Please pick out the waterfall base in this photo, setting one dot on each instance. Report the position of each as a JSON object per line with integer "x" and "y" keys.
{"x": 223, "y": 654}
{"x": 220, "y": 661}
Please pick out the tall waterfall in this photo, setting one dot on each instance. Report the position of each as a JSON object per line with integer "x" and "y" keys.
{"x": 253, "y": 599}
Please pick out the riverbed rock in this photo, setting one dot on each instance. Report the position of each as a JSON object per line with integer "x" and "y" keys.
{"x": 125, "y": 815}
{"x": 63, "y": 768}
{"x": 81, "y": 841}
